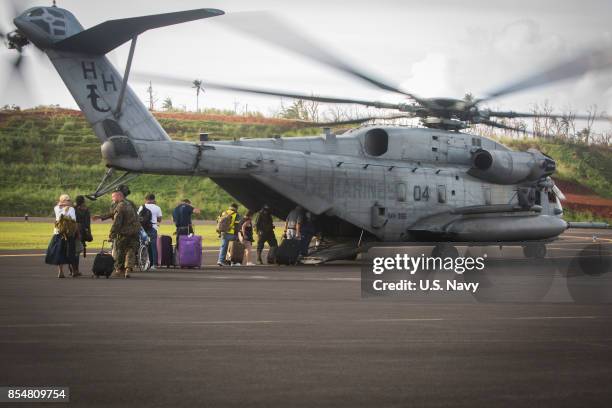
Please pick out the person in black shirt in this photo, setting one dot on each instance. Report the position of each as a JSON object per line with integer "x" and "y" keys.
{"x": 182, "y": 217}
{"x": 264, "y": 227}
{"x": 83, "y": 219}
{"x": 246, "y": 236}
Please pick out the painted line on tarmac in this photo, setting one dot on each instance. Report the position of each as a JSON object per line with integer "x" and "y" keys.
{"x": 589, "y": 238}
{"x": 43, "y": 254}
{"x": 33, "y": 325}
{"x": 16, "y": 255}
{"x": 310, "y": 321}
{"x": 554, "y": 317}
{"x": 433, "y": 319}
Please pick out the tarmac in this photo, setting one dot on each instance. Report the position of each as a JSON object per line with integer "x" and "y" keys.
{"x": 301, "y": 336}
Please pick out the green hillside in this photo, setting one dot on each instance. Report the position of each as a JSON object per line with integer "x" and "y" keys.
{"x": 47, "y": 152}
{"x": 589, "y": 166}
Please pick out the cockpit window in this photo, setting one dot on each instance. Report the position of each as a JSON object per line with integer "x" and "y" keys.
{"x": 36, "y": 12}
{"x": 55, "y": 13}
{"x": 42, "y": 24}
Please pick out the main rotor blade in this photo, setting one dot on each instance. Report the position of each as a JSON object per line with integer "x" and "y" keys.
{"x": 176, "y": 81}
{"x": 352, "y": 121}
{"x": 269, "y": 28}
{"x": 502, "y": 126}
{"x": 511, "y": 114}
{"x": 587, "y": 61}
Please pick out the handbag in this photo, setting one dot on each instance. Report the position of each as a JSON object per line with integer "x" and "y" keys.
{"x": 87, "y": 237}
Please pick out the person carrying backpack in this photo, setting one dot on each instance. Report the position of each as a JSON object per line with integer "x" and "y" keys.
{"x": 226, "y": 227}
{"x": 62, "y": 248}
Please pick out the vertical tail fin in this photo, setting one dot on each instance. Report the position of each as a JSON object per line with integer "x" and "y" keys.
{"x": 78, "y": 56}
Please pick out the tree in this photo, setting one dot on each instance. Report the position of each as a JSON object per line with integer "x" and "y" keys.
{"x": 591, "y": 115}
{"x": 197, "y": 84}
{"x": 297, "y": 110}
{"x": 167, "y": 104}
{"x": 468, "y": 97}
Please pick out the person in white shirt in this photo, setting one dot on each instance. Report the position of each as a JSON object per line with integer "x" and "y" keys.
{"x": 152, "y": 226}
{"x": 62, "y": 248}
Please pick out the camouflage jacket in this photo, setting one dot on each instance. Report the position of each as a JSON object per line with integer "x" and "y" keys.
{"x": 125, "y": 220}
{"x": 111, "y": 212}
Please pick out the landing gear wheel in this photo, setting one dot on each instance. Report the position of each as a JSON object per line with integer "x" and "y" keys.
{"x": 143, "y": 258}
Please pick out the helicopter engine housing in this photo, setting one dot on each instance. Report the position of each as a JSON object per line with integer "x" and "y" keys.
{"x": 507, "y": 167}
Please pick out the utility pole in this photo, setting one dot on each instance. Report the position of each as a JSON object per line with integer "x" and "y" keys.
{"x": 152, "y": 98}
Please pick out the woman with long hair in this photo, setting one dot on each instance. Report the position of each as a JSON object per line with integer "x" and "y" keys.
{"x": 62, "y": 248}
{"x": 246, "y": 237}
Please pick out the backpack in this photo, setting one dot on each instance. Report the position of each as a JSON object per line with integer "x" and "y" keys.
{"x": 145, "y": 216}
{"x": 224, "y": 221}
{"x": 66, "y": 227}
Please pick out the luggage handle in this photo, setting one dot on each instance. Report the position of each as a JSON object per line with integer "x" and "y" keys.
{"x": 102, "y": 249}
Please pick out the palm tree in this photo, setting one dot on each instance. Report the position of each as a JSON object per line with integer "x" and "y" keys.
{"x": 197, "y": 84}
{"x": 167, "y": 104}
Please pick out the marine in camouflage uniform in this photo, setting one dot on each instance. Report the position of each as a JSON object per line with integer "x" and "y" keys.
{"x": 124, "y": 189}
{"x": 124, "y": 233}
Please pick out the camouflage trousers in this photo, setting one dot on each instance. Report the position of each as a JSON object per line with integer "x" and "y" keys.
{"x": 125, "y": 248}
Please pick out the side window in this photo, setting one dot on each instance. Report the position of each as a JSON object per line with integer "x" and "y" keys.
{"x": 401, "y": 192}
{"x": 442, "y": 194}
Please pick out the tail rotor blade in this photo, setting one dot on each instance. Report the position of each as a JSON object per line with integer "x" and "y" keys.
{"x": 15, "y": 83}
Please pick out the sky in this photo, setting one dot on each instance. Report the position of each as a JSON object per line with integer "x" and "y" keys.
{"x": 432, "y": 48}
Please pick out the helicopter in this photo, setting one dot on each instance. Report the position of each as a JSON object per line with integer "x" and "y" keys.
{"x": 374, "y": 183}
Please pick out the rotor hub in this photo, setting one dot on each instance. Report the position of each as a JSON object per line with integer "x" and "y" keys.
{"x": 15, "y": 40}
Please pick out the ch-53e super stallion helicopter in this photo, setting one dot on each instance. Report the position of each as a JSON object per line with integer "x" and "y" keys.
{"x": 373, "y": 183}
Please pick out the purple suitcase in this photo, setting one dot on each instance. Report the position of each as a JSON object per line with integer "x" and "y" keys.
{"x": 189, "y": 254}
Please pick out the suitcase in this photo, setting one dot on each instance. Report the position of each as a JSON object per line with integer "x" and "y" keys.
{"x": 164, "y": 251}
{"x": 235, "y": 252}
{"x": 288, "y": 252}
{"x": 189, "y": 251}
{"x": 271, "y": 258}
{"x": 103, "y": 264}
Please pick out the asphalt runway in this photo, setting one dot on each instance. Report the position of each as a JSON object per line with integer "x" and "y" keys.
{"x": 294, "y": 337}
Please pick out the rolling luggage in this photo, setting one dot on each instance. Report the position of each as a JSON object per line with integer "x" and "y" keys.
{"x": 271, "y": 258}
{"x": 164, "y": 251}
{"x": 235, "y": 252}
{"x": 189, "y": 251}
{"x": 103, "y": 264}
{"x": 288, "y": 252}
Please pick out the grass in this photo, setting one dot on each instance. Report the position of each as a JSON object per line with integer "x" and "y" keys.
{"x": 36, "y": 235}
